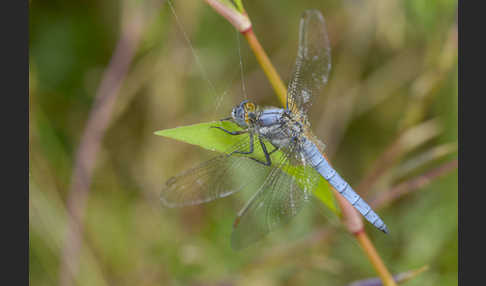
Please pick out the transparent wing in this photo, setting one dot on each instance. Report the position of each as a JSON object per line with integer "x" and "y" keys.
{"x": 313, "y": 62}
{"x": 218, "y": 177}
{"x": 283, "y": 194}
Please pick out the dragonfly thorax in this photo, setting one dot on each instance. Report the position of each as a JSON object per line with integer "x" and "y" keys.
{"x": 279, "y": 126}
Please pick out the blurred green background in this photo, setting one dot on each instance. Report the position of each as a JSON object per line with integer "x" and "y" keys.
{"x": 394, "y": 69}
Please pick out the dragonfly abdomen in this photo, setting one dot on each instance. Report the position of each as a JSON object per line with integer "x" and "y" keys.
{"x": 320, "y": 164}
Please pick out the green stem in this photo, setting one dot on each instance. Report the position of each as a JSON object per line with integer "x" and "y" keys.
{"x": 375, "y": 258}
{"x": 281, "y": 92}
{"x": 360, "y": 235}
{"x": 267, "y": 66}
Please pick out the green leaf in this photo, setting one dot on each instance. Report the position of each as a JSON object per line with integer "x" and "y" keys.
{"x": 213, "y": 139}
{"x": 204, "y": 136}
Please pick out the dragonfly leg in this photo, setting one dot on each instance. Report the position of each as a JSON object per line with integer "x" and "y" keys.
{"x": 267, "y": 155}
{"x": 227, "y": 119}
{"x": 264, "y": 148}
{"x": 239, "y": 132}
{"x": 251, "y": 147}
{"x": 251, "y": 143}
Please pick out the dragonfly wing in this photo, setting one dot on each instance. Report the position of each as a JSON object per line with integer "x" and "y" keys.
{"x": 276, "y": 202}
{"x": 218, "y": 177}
{"x": 313, "y": 62}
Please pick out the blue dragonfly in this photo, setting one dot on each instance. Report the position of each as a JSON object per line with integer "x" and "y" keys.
{"x": 292, "y": 162}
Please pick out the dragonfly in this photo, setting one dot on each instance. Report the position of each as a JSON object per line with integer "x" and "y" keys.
{"x": 292, "y": 162}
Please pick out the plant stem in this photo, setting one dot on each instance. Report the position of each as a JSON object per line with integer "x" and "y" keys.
{"x": 237, "y": 16}
{"x": 267, "y": 66}
{"x": 350, "y": 215}
{"x": 86, "y": 155}
{"x": 375, "y": 259}
{"x": 354, "y": 223}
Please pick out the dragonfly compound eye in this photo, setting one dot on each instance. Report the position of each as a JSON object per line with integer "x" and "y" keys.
{"x": 239, "y": 115}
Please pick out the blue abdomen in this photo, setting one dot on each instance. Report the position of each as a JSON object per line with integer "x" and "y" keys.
{"x": 320, "y": 164}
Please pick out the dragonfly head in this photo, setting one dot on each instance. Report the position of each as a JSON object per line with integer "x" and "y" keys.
{"x": 244, "y": 113}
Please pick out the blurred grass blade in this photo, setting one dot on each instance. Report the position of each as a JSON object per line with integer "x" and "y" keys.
{"x": 423, "y": 159}
{"x": 212, "y": 139}
{"x": 413, "y": 184}
{"x": 406, "y": 142}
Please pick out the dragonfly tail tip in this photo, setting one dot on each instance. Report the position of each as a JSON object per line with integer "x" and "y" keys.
{"x": 385, "y": 229}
